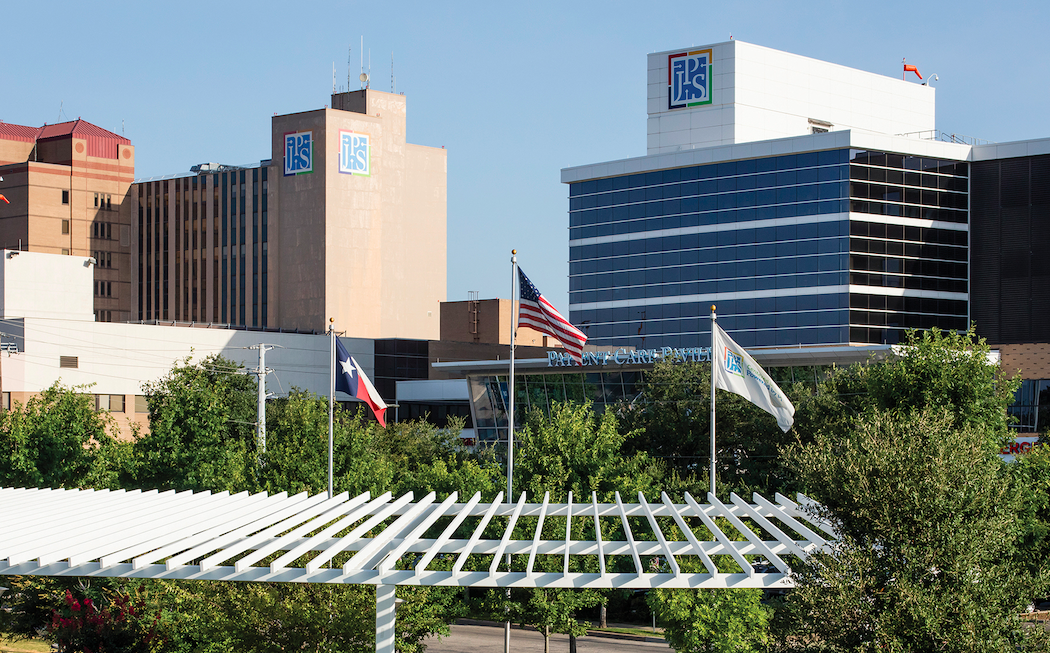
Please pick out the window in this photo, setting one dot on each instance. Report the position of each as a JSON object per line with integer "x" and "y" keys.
{"x": 102, "y": 402}
{"x": 141, "y": 406}
{"x": 116, "y": 403}
{"x": 65, "y": 252}
{"x": 109, "y": 202}
{"x": 65, "y": 227}
{"x": 65, "y": 197}
{"x": 96, "y": 206}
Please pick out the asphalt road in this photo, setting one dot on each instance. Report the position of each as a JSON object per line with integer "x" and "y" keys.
{"x": 488, "y": 639}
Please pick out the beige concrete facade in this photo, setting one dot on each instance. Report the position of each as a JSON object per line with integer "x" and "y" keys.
{"x": 67, "y": 185}
{"x": 262, "y": 248}
{"x": 368, "y": 250}
{"x": 487, "y": 321}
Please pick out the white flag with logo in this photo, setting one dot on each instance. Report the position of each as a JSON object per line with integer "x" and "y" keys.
{"x": 737, "y": 372}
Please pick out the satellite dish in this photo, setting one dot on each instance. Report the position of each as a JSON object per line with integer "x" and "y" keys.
{"x": 364, "y": 77}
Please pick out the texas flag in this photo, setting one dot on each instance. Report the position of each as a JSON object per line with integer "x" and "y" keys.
{"x": 349, "y": 378}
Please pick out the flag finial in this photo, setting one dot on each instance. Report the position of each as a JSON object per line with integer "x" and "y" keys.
{"x": 513, "y": 251}
{"x": 712, "y": 308}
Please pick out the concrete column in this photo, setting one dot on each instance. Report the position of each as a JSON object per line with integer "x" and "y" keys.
{"x": 386, "y": 596}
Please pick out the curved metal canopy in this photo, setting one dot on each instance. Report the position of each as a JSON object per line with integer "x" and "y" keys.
{"x": 403, "y": 541}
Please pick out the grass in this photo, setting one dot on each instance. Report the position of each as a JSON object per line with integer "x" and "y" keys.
{"x": 24, "y": 646}
{"x": 647, "y": 632}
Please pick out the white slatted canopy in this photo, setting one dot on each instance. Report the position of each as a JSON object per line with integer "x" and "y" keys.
{"x": 402, "y": 541}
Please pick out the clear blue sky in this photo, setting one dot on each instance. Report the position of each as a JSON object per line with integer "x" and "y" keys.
{"x": 514, "y": 91}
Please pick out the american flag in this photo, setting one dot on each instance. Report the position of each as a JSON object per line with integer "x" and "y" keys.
{"x": 536, "y": 312}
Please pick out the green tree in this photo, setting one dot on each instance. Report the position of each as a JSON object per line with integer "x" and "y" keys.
{"x": 57, "y": 439}
{"x": 671, "y": 420}
{"x": 201, "y": 434}
{"x": 927, "y": 521}
{"x": 712, "y": 621}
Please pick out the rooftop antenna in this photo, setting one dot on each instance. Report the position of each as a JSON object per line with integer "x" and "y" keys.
{"x": 392, "y": 71}
{"x": 349, "y": 50}
{"x": 60, "y": 111}
{"x": 363, "y": 77}
{"x": 333, "y": 78}
{"x": 369, "y": 66}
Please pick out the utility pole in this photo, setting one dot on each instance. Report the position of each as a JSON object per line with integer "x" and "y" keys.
{"x": 260, "y": 373}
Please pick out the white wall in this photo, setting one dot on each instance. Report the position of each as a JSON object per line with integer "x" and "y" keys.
{"x": 46, "y": 285}
{"x": 759, "y": 93}
{"x": 119, "y": 358}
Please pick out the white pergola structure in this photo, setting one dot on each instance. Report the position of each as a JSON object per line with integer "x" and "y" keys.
{"x": 389, "y": 541}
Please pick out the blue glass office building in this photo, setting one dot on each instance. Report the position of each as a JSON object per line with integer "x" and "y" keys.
{"x": 820, "y": 247}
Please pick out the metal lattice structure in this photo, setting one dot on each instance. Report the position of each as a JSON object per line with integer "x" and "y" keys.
{"x": 390, "y": 541}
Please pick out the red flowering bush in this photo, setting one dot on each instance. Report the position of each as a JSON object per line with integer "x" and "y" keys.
{"x": 121, "y": 625}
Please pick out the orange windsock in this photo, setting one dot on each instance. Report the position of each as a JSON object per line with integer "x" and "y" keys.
{"x": 910, "y": 68}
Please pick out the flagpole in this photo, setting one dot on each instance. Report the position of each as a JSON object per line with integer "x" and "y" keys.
{"x": 331, "y": 404}
{"x": 510, "y": 381}
{"x": 510, "y": 418}
{"x": 714, "y": 362}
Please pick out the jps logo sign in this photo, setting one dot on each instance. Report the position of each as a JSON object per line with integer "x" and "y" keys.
{"x": 298, "y": 153}
{"x": 734, "y": 363}
{"x": 689, "y": 79}
{"x": 355, "y": 154}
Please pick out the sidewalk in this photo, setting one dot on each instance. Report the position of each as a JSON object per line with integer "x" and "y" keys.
{"x": 656, "y": 638}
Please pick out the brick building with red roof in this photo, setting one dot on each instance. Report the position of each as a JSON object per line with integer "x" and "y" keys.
{"x": 68, "y": 186}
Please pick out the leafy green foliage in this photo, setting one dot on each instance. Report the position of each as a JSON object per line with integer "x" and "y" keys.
{"x": 671, "y": 420}
{"x": 712, "y": 621}
{"x": 57, "y": 440}
{"x": 201, "y": 429}
{"x": 926, "y": 517}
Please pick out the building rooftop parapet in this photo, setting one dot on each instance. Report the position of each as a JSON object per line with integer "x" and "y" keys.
{"x": 222, "y": 325}
{"x": 944, "y": 137}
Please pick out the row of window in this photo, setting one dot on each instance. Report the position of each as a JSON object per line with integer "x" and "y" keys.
{"x": 103, "y": 259}
{"x": 116, "y": 403}
{"x": 103, "y": 230}
{"x": 744, "y": 268}
{"x": 910, "y": 179}
{"x": 785, "y": 337}
{"x": 913, "y": 234}
{"x": 908, "y": 211}
{"x": 786, "y": 235}
{"x": 743, "y": 167}
{"x": 730, "y": 253}
{"x": 924, "y": 197}
{"x": 908, "y": 304}
{"x": 910, "y": 283}
{"x": 911, "y": 250}
{"x": 907, "y": 320}
{"x": 769, "y": 188}
{"x": 105, "y": 201}
{"x": 894, "y": 161}
{"x": 779, "y": 282}
{"x": 675, "y": 219}
{"x": 914, "y": 267}
{"x": 103, "y": 289}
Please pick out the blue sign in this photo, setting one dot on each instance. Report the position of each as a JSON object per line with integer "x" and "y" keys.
{"x": 734, "y": 363}
{"x": 689, "y": 79}
{"x": 355, "y": 153}
{"x": 298, "y": 153}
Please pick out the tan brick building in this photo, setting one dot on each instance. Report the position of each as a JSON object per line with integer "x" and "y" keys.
{"x": 67, "y": 185}
{"x": 346, "y": 220}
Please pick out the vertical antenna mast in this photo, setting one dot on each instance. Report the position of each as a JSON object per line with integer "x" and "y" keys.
{"x": 348, "y": 51}
{"x": 333, "y": 78}
{"x": 362, "y": 61}
{"x": 391, "y": 71}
